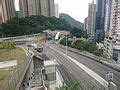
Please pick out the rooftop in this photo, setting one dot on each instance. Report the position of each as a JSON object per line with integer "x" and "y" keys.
{"x": 50, "y": 63}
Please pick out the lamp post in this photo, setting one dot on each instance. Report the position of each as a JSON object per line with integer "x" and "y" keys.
{"x": 66, "y": 42}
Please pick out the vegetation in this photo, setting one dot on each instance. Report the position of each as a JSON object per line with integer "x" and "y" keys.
{"x": 79, "y": 33}
{"x": 84, "y": 45}
{"x": 63, "y": 42}
{"x": 8, "y": 51}
{"x": 32, "y": 25}
{"x": 74, "y": 85}
{"x": 71, "y": 21}
{"x": 3, "y": 74}
{"x": 12, "y": 54}
{"x": 7, "y": 45}
{"x": 87, "y": 46}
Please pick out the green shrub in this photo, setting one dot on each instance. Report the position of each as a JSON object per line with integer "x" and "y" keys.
{"x": 7, "y": 45}
{"x": 87, "y": 46}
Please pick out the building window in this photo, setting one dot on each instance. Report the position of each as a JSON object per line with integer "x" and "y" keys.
{"x": 116, "y": 0}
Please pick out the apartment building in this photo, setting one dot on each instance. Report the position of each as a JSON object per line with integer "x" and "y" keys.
{"x": 7, "y": 10}
{"x": 112, "y": 40}
{"x": 56, "y": 11}
{"x": 107, "y": 51}
{"x": 37, "y": 7}
{"x": 91, "y": 21}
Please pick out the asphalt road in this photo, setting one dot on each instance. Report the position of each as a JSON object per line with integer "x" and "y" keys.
{"x": 97, "y": 67}
{"x": 70, "y": 71}
{"x": 67, "y": 76}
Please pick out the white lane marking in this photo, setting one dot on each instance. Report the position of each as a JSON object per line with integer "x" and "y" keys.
{"x": 83, "y": 67}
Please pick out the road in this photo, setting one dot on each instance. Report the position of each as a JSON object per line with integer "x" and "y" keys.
{"x": 97, "y": 67}
{"x": 67, "y": 76}
{"x": 70, "y": 71}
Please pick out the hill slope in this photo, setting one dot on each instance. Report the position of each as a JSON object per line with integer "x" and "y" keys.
{"x": 71, "y": 21}
{"x": 31, "y": 25}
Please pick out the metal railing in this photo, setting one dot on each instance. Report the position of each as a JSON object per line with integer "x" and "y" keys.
{"x": 12, "y": 81}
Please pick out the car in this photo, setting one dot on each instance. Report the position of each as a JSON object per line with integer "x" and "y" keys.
{"x": 28, "y": 45}
{"x": 39, "y": 49}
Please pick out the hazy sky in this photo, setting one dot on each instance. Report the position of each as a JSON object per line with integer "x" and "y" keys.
{"x": 78, "y": 9}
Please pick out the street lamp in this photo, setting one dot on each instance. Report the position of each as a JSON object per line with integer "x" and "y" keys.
{"x": 66, "y": 42}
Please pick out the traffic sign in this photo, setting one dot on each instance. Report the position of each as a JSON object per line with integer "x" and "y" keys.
{"x": 109, "y": 76}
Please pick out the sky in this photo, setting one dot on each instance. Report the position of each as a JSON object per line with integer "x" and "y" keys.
{"x": 78, "y": 9}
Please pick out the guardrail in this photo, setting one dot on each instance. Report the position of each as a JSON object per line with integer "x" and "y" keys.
{"x": 14, "y": 80}
{"x": 20, "y": 37}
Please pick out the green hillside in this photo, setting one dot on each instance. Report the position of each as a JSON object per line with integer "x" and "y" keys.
{"x": 32, "y": 25}
{"x": 71, "y": 21}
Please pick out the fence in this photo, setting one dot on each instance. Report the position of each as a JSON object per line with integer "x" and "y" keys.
{"x": 12, "y": 81}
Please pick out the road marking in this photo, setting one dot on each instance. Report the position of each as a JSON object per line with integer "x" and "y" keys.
{"x": 86, "y": 69}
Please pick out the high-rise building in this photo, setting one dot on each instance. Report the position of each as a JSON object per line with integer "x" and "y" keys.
{"x": 7, "y": 10}
{"x": 51, "y": 8}
{"x": 0, "y": 11}
{"x": 37, "y": 7}
{"x": 100, "y": 19}
{"x": 107, "y": 52}
{"x": 107, "y": 15}
{"x": 91, "y": 20}
{"x": 112, "y": 47}
{"x": 86, "y": 24}
{"x": 56, "y": 10}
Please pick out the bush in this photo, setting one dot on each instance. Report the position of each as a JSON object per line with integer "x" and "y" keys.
{"x": 79, "y": 33}
{"x": 73, "y": 85}
{"x": 7, "y": 45}
{"x": 87, "y": 46}
{"x": 63, "y": 42}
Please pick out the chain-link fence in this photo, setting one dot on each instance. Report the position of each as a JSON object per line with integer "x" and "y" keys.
{"x": 17, "y": 72}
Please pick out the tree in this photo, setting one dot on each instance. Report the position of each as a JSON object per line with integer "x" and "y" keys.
{"x": 31, "y": 25}
{"x": 63, "y": 42}
{"x": 87, "y": 46}
{"x": 78, "y": 33}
